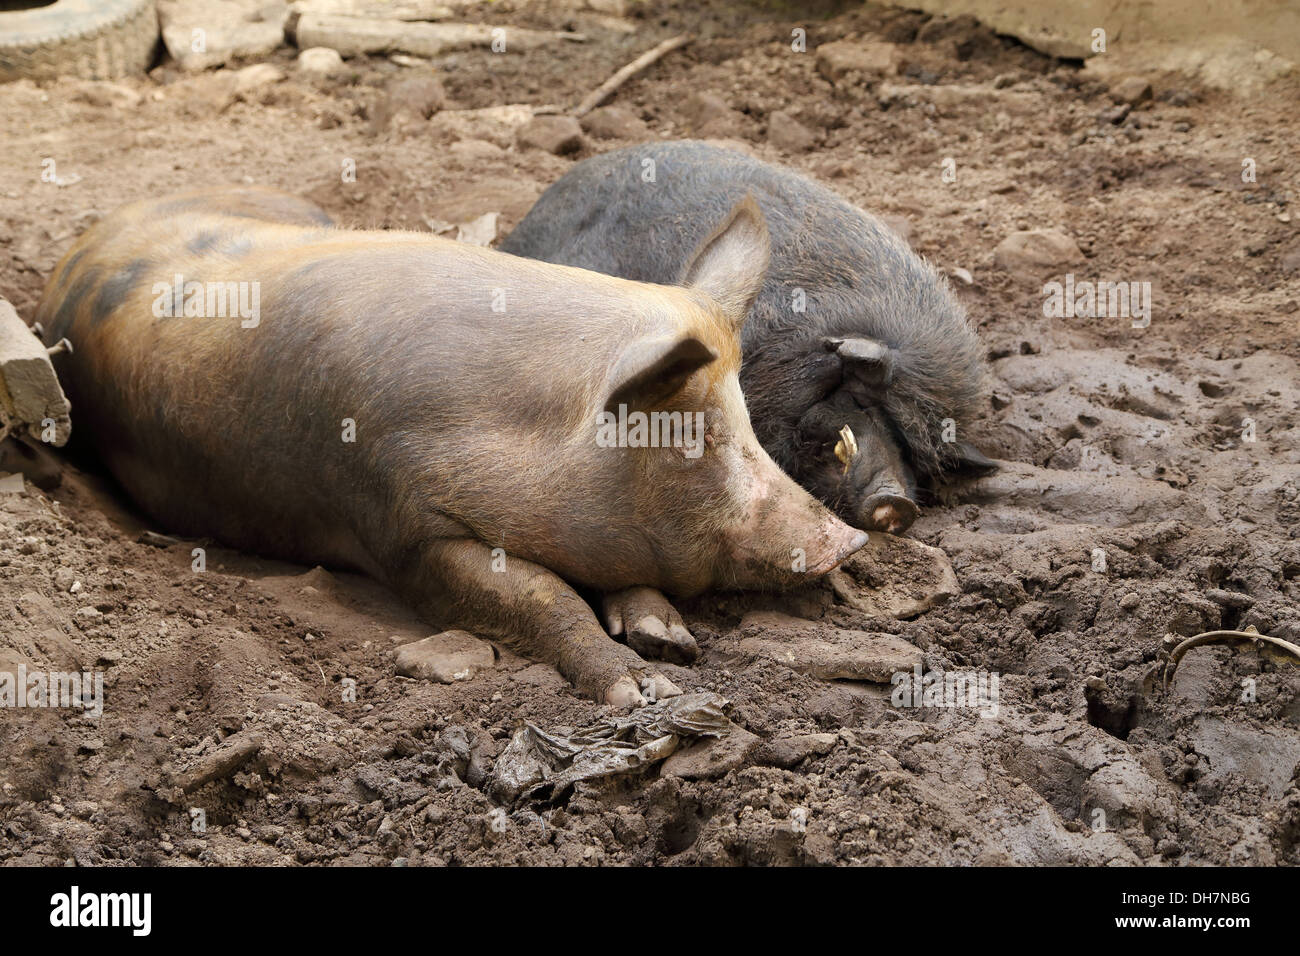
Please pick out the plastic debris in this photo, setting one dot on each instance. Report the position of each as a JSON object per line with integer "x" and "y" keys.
{"x": 537, "y": 765}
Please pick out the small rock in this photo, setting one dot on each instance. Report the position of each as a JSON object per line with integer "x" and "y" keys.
{"x": 445, "y": 658}
{"x": 417, "y": 96}
{"x": 496, "y": 124}
{"x": 1036, "y": 251}
{"x": 156, "y": 540}
{"x": 1131, "y": 91}
{"x": 559, "y": 135}
{"x": 710, "y": 759}
{"x": 1130, "y": 601}
{"x": 218, "y": 764}
{"x": 853, "y": 655}
{"x": 64, "y": 578}
{"x": 228, "y": 28}
{"x": 1233, "y": 599}
{"x": 475, "y": 150}
{"x": 708, "y": 115}
{"x": 321, "y": 61}
{"x": 1116, "y": 115}
{"x": 109, "y": 95}
{"x": 788, "y": 751}
{"x": 256, "y": 76}
{"x": 614, "y": 122}
{"x": 844, "y": 57}
{"x": 787, "y": 133}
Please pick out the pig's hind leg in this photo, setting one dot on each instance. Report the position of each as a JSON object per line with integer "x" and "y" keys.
{"x": 533, "y": 610}
{"x": 652, "y": 625}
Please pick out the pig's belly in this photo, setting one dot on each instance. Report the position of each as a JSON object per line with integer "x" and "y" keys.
{"x": 248, "y": 519}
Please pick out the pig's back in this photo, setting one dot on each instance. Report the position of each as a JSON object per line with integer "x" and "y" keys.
{"x": 854, "y": 271}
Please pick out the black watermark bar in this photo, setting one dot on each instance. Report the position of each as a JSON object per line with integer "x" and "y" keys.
{"x": 336, "y": 906}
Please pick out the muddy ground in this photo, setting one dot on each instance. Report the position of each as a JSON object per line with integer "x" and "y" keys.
{"x": 224, "y": 688}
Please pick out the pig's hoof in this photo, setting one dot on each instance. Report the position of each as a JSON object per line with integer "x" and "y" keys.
{"x": 652, "y": 625}
{"x": 657, "y": 686}
{"x": 625, "y": 693}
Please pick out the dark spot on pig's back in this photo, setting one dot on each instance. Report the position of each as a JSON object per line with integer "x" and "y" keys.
{"x": 66, "y": 314}
{"x": 204, "y": 241}
{"x": 70, "y": 266}
{"x": 116, "y": 288}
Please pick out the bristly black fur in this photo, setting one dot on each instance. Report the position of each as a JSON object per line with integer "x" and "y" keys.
{"x": 637, "y": 212}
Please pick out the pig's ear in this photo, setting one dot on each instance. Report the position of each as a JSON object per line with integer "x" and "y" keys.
{"x": 653, "y": 370}
{"x": 970, "y": 463}
{"x": 730, "y": 265}
{"x": 868, "y": 366}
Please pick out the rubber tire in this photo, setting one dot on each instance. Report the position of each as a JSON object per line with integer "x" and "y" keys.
{"x": 92, "y": 39}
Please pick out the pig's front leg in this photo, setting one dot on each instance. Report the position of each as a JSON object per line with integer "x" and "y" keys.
{"x": 533, "y": 610}
{"x": 652, "y": 625}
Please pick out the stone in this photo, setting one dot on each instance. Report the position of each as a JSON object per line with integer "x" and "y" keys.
{"x": 787, "y": 133}
{"x": 358, "y": 36}
{"x": 1131, "y": 91}
{"x": 853, "y": 655}
{"x": 559, "y": 135}
{"x": 475, "y": 150}
{"x": 390, "y": 9}
{"x": 708, "y": 115}
{"x": 417, "y": 96}
{"x": 871, "y": 60}
{"x": 223, "y": 29}
{"x": 614, "y": 122}
{"x": 789, "y": 751}
{"x": 712, "y": 758}
{"x": 1037, "y": 251}
{"x": 220, "y": 763}
{"x": 445, "y": 658}
{"x": 30, "y": 393}
{"x": 256, "y": 76}
{"x": 320, "y": 61}
{"x": 107, "y": 95}
{"x": 494, "y": 124}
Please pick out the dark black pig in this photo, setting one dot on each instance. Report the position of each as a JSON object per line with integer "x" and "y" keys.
{"x": 851, "y": 329}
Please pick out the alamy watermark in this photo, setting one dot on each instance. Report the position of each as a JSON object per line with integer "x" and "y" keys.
{"x": 1102, "y": 299}
{"x": 208, "y": 300}
{"x": 41, "y": 689}
{"x": 976, "y": 690}
{"x": 684, "y": 430}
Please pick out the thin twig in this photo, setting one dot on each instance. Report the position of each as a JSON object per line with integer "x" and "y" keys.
{"x": 1221, "y": 637}
{"x": 606, "y": 89}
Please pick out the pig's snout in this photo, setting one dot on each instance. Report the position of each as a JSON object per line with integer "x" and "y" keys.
{"x": 840, "y": 542}
{"x": 890, "y": 513}
{"x": 786, "y": 536}
{"x": 883, "y": 502}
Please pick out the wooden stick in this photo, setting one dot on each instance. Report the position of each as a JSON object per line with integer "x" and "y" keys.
{"x": 606, "y": 89}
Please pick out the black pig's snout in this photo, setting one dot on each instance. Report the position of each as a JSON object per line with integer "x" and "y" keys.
{"x": 892, "y": 514}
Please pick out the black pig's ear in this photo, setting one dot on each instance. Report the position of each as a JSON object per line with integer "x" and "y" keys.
{"x": 653, "y": 370}
{"x": 969, "y": 463}
{"x": 868, "y": 367}
{"x": 730, "y": 265}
